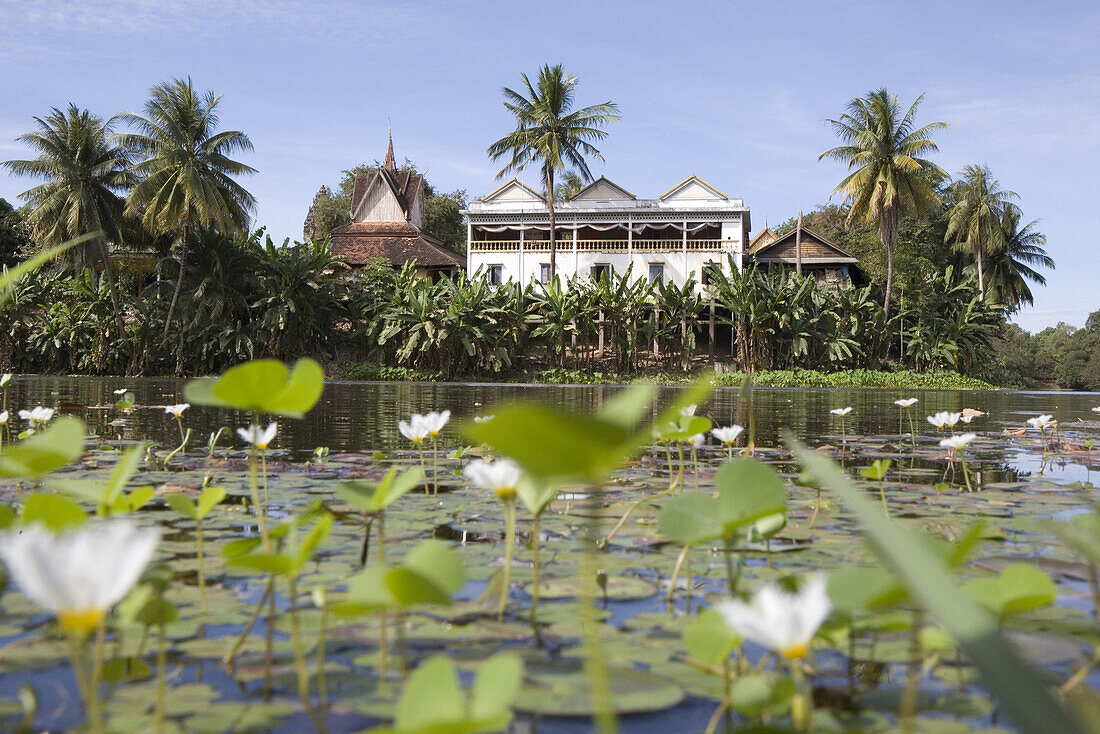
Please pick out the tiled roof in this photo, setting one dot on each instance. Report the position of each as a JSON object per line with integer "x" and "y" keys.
{"x": 397, "y": 242}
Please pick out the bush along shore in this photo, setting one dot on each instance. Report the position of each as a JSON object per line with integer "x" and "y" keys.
{"x": 903, "y": 379}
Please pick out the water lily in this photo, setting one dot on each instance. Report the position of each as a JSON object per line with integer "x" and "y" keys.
{"x": 906, "y": 403}
{"x": 958, "y": 441}
{"x": 122, "y": 391}
{"x": 414, "y": 430}
{"x": 482, "y": 418}
{"x": 38, "y": 416}
{"x": 943, "y": 419}
{"x": 4, "y": 418}
{"x": 433, "y": 422}
{"x": 500, "y": 476}
{"x": 1042, "y": 422}
{"x": 257, "y": 435}
{"x": 841, "y": 411}
{"x": 966, "y": 417}
{"x": 688, "y": 410}
{"x": 80, "y": 575}
{"x": 177, "y": 409}
{"x": 728, "y": 434}
{"x": 5, "y": 379}
{"x": 781, "y": 621}
{"x": 1096, "y": 409}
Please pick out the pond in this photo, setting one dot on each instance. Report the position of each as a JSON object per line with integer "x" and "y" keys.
{"x": 1017, "y": 476}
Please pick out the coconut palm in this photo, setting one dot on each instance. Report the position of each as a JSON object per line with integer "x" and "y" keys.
{"x": 85, "y": 173}
{"x": 885, "y": 146}
{"x": 1009, "y": 266}
{"x": 551, "y": 133}
{"x": 185, "y": 177}
{"x": 570, "y": 185}
{"x": 974, "y": 223}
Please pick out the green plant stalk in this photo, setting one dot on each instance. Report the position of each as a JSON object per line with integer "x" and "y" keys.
{"x": 882, "y": 493}
{"x": 178, "y": 449}
{"x": 908, "y": 708}
{"x": 966, "y": 472}
{"x": 80, "y": 672}
{"x": 595, "y": 666}
{"x": 731, "y": 577}
{"x": 254, "y": 492}
{"x": 536, "y": 541}
{"x": 162, "y": 676}
{"x": 817, "y": 508}
{"x": 268, "y": 590}
{"x": 269, "y": 638}
{"x": 695, "y": 466}
{"x": 680, "y": 471}
{"x": 263, "y": 475}
{"x": 383, "y": 627}
{"x": 676, "y": 574}
{"x": 435, "y": 466}
{"x": 423, "y": 467}
{"x": 802, "y": 703}
{"x": 299, "y": 652}
{"x": 214, "y": 442}
{"x": 200, "y": 552}
{"x": 668, "y": 458}
{"x": 509, "y": 547}
{"x": 912, "y": 430}
{"x": 322, "y": 683}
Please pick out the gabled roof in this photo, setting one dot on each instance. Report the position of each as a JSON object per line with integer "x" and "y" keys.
{"x": 602, "y": 190}
{"x": 815, "y": 249}
{"x": 764, "y": 238}
{"x": 693, "y": 187}
{"x": 397, "y": 242}
{"x": 514, "y": 191}
{"x": 403, "y": 184}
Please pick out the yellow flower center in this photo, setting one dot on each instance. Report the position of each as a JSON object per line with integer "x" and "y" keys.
{"x": 417, "y": 441}
{"x": 80, "y": 620}
{"x": 507, "y": 493}
{"x": 795, "y": 651}
{"x": 261, "y": 446}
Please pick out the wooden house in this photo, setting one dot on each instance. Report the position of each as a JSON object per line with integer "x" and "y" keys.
{"x": 807, "y": 252}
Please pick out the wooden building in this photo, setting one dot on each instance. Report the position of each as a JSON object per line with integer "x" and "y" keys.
{"x": 807, "y": 252}
{"x": 387, "y": 221}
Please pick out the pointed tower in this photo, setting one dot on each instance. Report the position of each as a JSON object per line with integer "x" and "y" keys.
{"x": 389, "y": 164}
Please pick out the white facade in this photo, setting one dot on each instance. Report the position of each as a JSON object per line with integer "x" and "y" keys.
{"x": 605, "y": 226}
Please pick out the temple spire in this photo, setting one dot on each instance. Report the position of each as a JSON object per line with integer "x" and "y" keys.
{"x": 389, "y": 164}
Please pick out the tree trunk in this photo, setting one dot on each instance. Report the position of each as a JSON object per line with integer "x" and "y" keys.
{"x": 980, "y": 256}
{"x": 179, "y": 280}
{"x": 888, "y": 231}
{"x": 550, "y": 206}
{"x": 110, "y": 273}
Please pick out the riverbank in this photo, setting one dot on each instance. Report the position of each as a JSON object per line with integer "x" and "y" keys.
{"x": 902, "y": 379}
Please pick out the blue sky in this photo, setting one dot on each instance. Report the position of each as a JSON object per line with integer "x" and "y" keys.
{"x": 734, "y": 92}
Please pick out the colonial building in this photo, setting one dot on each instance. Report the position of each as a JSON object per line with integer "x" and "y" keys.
{"x": 387, "y": 221}
{"x": 806, "y": 252}
{"x": 606, "y": 229}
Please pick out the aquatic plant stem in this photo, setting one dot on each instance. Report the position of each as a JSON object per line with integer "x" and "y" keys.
{"x": 536, "y": 541}
{"x": 908, "y": 707}
{"x": 680, "y": 471}
{"x": 162, "y": 675}
{"x": 383, "y": 627}
{"x": 882, "y": 494}
{"x": 509, "y": 547}
{"x": 80, "y": 672}
{"x": 200, "y": 554}
{"x": 695, "y": 466}
{"x": 300, "y": 654}
{"x": 595, "y": 666}
{"x": 676, "y": 573}
{"x": 912, "y": 430}
{"x": 731, "y": 577}
{"x": 178, "y": 449}
{"x": 268, "y": 591}
{"x": 423, "y": 468}
{"x": 435, "y": 466}
{"x": 322, "y": 683}
{"x": 966, "y": 472}
{"x": 802, "y": 703}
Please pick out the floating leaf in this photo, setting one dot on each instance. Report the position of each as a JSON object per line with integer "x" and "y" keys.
{"x": 57, "y": 445}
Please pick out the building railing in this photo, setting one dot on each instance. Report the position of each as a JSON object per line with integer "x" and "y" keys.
{"x": 638, "y": 245}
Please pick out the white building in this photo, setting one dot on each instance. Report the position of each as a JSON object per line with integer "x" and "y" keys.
{"x": 605, "y": 228}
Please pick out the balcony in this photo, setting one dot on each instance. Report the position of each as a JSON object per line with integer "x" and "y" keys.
{"x": 623, "y": 246}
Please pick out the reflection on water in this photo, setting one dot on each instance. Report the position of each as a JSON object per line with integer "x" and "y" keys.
{"x": 362, "y": 416}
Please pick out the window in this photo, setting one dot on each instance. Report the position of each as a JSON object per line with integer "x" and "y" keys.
{"x": 496, "y": 274}
{"x": 443, "y": 273}
{"x": 601, "y": 270}
{"x": 657, "y": 272}
{"x": 544, "y": 272}
{"x": 709, "y": 267}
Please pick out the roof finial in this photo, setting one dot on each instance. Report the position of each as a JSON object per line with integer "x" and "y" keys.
{"x": 389, "y": 164}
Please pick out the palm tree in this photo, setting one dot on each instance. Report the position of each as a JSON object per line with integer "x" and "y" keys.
{"x": 1010, "y": 265}
{"x": 974, "y": 223}
{"x": 185, "y": 177}
{"x": 549, "y": 132}
{"x": 569, "y": 186}
{"x": 885, "y": 147}
{"x": 84, "y": 173}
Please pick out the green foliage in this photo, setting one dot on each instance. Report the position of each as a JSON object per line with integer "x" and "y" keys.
{"x": 709, "y": 639}
{"x": 369, "y": 497}
{"x": 1017, "y": 589}
{"x": 55, "y": 446}
{"x": 747, "y": 492}
{"x": 56, "y": 513}
{"x": 263, "y": 386}
{"x": 111, "y": 497}
{"x": 432, "y": 700}
{"x": 15, "y": 235}
{"x": 208, "y": 499}
{"x": 430, "y": 574}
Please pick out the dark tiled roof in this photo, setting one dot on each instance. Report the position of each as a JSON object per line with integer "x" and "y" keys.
{"x": 397, "y": 242}
{"x": 404, "y": 184}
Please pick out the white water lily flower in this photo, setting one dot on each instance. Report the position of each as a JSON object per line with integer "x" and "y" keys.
{"x": 728, "y": 434}
{"x": 1096, "y": 409}
{"x": 500, "y": 476}
{"x": 688, "y": 410}
{"x": 5, "y": 379}
{"x": 433, "y": 422}
{"x": 176, "y": 410}
{"x": 257, "y": 435}
{"x": 122, "y": 391}
{"x": 414, "y": 429}
{"x": 907, "y": 402}
{"x": 944, "y": 419}
{"x": 482, "y": 418}
{"x": 38, "y": 416}
{"x": 958, "y": 441}
{"x": 840, "y": 411}
{"x": 966, "y": 417}
{"x": 4, "y": 418}
{"x": 1042, "y": 422}
{"x": 779, "y": 620}
{"x": 79, "y": 575}
{"x": 698, "y": 440}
